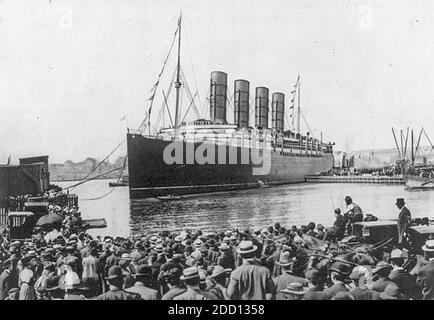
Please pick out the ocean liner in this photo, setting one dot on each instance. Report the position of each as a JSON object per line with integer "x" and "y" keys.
{"x": 212, "y": 155}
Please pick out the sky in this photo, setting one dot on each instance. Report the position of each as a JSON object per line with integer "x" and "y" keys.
{"x": 71, "y": 70}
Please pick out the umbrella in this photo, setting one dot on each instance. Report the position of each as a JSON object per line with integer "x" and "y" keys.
{"x": 49, "y": 219}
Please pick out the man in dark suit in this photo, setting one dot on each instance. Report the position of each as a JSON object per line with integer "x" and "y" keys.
{"x": 425, "y": 278}
{"x": 404, "y": 220}
{"x": 315, "y": 286}
{"x": 8, "y": 278}
{"x": 115, "y": 279}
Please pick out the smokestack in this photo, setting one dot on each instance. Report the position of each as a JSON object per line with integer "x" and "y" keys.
{"x": 217, "y": 97}
{"x": 261, "y": 107}
{"x": 278, "y": 111}
{"x": 241, "y": 103}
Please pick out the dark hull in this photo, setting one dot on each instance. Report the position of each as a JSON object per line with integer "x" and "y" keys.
{"x": 150, "y": 176}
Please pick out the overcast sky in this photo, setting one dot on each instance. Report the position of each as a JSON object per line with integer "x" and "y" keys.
{"x": 71, "y": 70}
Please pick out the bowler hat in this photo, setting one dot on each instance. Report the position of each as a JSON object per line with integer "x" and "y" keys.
{"x": 190, "y": 273}
{"x": 246, "y": 246}
{"x": 312, "y": 274}
{"x": 295, "y": 288}
{"x": 341, "y": 268}
{"x": 87, "y": 284}
{"x": 400, "y": 201}
{"x": 143, "y": 270}
{"x": 115, "y": 272}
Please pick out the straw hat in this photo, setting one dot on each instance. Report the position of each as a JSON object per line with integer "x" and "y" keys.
{"x": 285, "y": 259}
{"x": 295, "y": 288}
{"x": 190, "y": 273}
{"x": 219, "y": 270}
{"x": 246, "y": 246}
{"x": 429, "y": 246}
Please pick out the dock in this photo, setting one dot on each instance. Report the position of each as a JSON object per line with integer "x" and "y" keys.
{"x": 355, "y": 179}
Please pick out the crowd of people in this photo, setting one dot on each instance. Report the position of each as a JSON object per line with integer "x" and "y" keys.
{"x": 311, "y": 262}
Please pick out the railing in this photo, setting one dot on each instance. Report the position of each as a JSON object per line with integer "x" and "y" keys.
{"x": 355, "y": 179}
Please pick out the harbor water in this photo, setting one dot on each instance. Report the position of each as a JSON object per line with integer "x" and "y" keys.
{"x": 294, "y": 204}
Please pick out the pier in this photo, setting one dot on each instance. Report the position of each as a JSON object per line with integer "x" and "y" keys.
{"x": 355, "y": 179}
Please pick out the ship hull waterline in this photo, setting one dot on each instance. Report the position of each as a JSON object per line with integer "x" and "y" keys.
{"x": 150, "y": 176}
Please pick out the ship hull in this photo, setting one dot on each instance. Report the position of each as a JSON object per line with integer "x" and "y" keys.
{"x": 150, "y": 176}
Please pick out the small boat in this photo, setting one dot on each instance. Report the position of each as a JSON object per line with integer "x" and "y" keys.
{"x": 419, "y": 182}
{"x": 97, "y": 223}
{"x": 170, "y": 197}
{"x": 118, "y": 184}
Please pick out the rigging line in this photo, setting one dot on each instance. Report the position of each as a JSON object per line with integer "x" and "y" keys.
{"x": 192, "y": 67}
{"x": 206, "y": 104}
{"x": 101, "y": 162}
{"x": 93, "y": 178}
{"x": 418, "y": 141}
{"x": 406, "y": 140}
{"x": 160, "y": 114}
{"x": 168, "y": 111}
{"x": 112, "y": 188}
{"x": 154, "y": 89}
{"x": 432, "y": 147}
{"x": 187, "y": 88}
{"x": 307, "y": 124}
{"x": 186, "y": 112}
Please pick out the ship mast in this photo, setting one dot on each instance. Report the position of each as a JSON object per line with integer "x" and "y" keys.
{"x": 178, "y": 67}
{"x": 298, "y": 107}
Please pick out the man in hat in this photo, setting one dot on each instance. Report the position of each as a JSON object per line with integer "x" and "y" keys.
{"x": 404, "y": 221}
{"x": 338, "y": 229}
{"x": 401, "y": 277}
{"x": 360, "y": 276}
{"x": 250, "y": 281}
{"x": 91, "y": 266}
{"x": 52, "y": 289}
{"x": 315, "y": 286}
{"x": 191, "y": 278}
{"x": 425, "y": 278}
{"x": 293, "y": 291}
{"x": 115, "y": 280}
{"x": 282, "y": 281}
{"x": 339, "y": 271}
{"x": 217, "y": 282}
{"x": 354, "y": 212}
{"x": 381, "y": 274}
{"x": 226, "y": 258}
{"x": 172, "y": 278}
{"x": 9, "y": 277}
{"x": 143, "y": 282}
{"x": 392, "y": 292}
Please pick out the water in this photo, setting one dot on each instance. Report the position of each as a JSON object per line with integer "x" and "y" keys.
{"x": 257, "y": 208}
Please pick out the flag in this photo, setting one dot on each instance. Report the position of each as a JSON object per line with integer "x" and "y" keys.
{"x": 123, "y": 118}
{"x": 293, "y": 91}
{"x": 152, "y": 97}
{"x": 9, "y": 160}
{"x": 291, "y": 107}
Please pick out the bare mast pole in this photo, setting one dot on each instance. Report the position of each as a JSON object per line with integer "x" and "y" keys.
{"x": 178, "y": 83}
{"x": 298, "y": 109}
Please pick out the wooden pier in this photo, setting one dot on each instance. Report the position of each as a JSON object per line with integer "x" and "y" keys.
{"x": 355, "y": 179}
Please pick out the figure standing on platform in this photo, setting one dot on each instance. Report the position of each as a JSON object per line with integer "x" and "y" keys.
{"x": 404, "y": 220}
